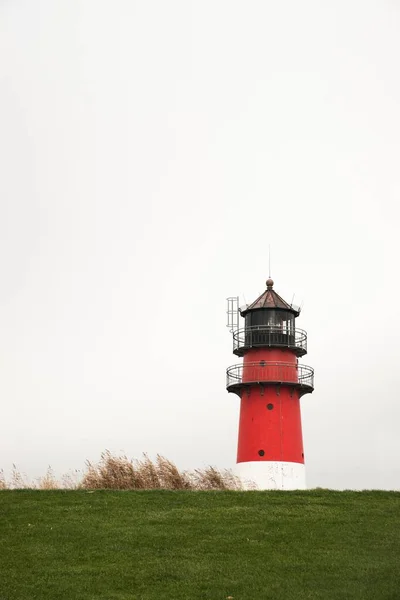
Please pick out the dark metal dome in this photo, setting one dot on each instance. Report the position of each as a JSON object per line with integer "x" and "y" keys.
{"x": 270, "y": 299}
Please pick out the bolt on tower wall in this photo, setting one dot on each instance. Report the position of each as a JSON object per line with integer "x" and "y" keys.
{"x": 270, "y": 383}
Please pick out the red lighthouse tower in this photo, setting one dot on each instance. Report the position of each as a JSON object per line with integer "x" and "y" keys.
{"x": 270, "y": 383}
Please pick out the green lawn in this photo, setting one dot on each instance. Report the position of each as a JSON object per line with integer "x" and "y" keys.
{"x": 146, "y": 545}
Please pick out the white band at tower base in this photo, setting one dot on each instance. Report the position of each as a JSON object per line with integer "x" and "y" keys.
{"x": 272, "y": 475}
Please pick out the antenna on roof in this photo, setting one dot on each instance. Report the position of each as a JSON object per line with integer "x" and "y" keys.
{"x": 291, "y": 304}
{"x": 269, "y": 261}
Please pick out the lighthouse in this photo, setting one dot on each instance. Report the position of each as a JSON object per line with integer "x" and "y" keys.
{"x": 269, "y": 382}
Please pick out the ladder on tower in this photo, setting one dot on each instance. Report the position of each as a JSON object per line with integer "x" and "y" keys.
{"x": 233, "y": 313}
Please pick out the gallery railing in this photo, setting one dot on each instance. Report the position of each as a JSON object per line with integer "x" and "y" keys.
{"x": 263, "y": 372}
{"x": 262, "y": 335}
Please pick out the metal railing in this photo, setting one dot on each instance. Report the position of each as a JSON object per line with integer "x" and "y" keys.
{"x": 263, "y": 335}
{"x": 270, "y": 372}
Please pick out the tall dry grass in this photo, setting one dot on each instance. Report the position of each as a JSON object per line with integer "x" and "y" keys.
{"x": 120, "y": 473}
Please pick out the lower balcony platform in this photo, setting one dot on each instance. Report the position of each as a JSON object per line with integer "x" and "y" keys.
{"x": 264, "y": 373}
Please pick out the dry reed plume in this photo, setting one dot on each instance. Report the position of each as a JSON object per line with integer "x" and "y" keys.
{"x": 120, "y": 473}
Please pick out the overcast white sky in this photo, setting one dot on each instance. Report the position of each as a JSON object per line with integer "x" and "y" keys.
{"x": 150, "y": 152}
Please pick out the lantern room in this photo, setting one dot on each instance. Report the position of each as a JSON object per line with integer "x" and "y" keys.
{"x": 269, "y": 321}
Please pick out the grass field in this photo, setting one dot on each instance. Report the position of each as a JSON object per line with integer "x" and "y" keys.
{"x": 181, "y": 545}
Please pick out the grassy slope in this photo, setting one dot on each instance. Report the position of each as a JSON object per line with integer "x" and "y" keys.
{"x": 199, "y": 545}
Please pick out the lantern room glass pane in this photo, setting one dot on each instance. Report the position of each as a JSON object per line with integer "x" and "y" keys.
{"x": 280, "y": 320}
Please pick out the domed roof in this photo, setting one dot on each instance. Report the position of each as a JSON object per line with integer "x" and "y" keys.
{"x": 270, "y": 299}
